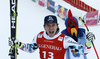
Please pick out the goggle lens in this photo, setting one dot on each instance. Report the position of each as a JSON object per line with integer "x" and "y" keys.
{"x": 72, "y": 24}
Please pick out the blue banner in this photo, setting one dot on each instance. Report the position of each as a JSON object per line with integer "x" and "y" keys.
{"x": 51, "y": 5}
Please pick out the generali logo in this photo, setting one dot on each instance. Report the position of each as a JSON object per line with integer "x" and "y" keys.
{"x": 92, "y": 18}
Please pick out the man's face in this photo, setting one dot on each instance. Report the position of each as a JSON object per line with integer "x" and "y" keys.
{"x": 51, "y": 28}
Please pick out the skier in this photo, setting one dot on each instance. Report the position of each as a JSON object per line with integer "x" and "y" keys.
{"x": 79, "y": 35}
{"x": 51, "y": 43}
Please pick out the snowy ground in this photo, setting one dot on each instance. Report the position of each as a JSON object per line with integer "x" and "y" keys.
{"x": 30, "y": 22}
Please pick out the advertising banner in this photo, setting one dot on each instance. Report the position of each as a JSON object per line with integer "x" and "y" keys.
{"x": 34, "y": 0}
{"x": 51, "y": 5}
{"x": 92, "y": 18}
{"x": 62, "y": 12}
{"x": 80, "y": 5}
{"x": 41, "y": 2}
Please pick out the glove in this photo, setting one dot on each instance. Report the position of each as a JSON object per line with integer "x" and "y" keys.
{"x": 90, "y": 37}
{"x": 35, "y": 46}
{"x": 18, "y": 44}
{"x": 10, "y": 42}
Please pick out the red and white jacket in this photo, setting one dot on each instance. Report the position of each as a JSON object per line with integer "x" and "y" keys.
{"x": 51, "y": 47}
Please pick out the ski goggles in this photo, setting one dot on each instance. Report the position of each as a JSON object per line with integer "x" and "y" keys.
{"x": 72, "y": 24}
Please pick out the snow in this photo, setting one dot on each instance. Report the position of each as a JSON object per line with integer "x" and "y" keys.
{"x": 30, "y": 22}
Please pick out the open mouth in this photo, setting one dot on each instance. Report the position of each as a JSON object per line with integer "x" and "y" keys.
{"x": 51, "y": 32}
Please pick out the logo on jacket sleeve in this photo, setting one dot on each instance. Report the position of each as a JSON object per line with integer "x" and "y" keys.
{"x": 60, "y": 38}
{"x": 40, "y": 36}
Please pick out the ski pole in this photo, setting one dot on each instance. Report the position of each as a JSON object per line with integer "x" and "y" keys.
{"x": 88, "y": 31}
